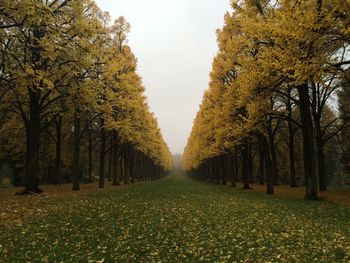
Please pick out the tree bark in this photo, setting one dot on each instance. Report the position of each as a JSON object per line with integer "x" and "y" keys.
{"x": 322, "y": 178}
{"x": 261, "y": 166}
{"x": 245, "y": 166}
{"x": 272, "y": 152}
{"x": 34, "y": 122}
{"x": 90, "y": 154}
{"x": 131, "y": 158}
{"x": 223, "y": 168}
{"x": 293, "y": 179}
{"x": 76, "y": 153}
{"x": 125, "y": 168}
{"x": 33, "y": 144}
{"x": 270, "y": 182}
{"x": 102, "y": 155}
{"x": 234, "y": 170}
{"x": 58, "y": 150}
{"x": 291, "y": 141}
{"x": 110, "y": 160}
{"x": 308, "y": 143}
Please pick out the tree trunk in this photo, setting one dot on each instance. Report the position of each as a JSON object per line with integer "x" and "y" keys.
{"x": 33, "y": 144}
{"x": 293, "y": 179}
{"x": 261, "y": 166}
{"x": 245, "y": 166}
{"x": 76, "y": 153}
{"x": 90, "y": 154}
{"x": 320, "y": 159}
{"x": 116, "y": 168}
{"x": 234, "y": 170}
{"x": 223, "y": 169}
{"x": 58, "y": 150}
{"x": 250, "y": 164}
{"x": 102, "y": 155}
{"x": 308, "y": 143}
{"x": 270, "y": 171}
{"x": 131, "y": 157}
{"x": 291, "y": 139}
{"x": 110, "y": 160}
{"x": 125, "y": 165}
{"x": 272, "y": 152}
{"x": 33, "y": 124}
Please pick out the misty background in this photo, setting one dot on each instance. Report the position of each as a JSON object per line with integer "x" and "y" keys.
{"x": 175, "y": 42}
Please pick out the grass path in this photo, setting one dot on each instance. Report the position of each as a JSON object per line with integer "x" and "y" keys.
{"x": 177, "y": 219}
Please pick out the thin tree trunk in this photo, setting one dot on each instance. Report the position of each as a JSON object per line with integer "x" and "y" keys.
{"x": 90, "y": 154}
{"x": 272, "y": 152}
{"x": 76, "y": 153}
{"x": 293, "y": 179}
{"x": 102, "y": 155}
{"x": 261, "y": 167}
{"x": 250, "y": 165}
{"x": 125, "y": 169}
{"x": 234, "y": 171}
{"x": 291, "y": 144}
{"x": 245, "y": 166}
{"x": 58, "y": 150}
{"x": 110, "y": 164}
{"x": 320, "y": 159}
{"x": 270, "y": 171}
{"x": 223, "y": 169}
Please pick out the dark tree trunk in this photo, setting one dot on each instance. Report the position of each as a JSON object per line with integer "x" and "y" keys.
{"x": 250, "y": 165}
{"x": 293, "y": 179}
{"x": 132, "y": 165}
{"x": 76, "y": 153}
{"x": 117, "y": 160}
{"x": 110, "y": 159}
{"x": 33, "y": 123}
{"x": 272, "y": 152}
{"x": 90, "y": 154}
{"x": 223, "y": 168}
{"x": 320, "y": 159}
{"x": 317, "y": 109}
{"x": 33, "y": 144}
{"x": 116, "y": 168}
{"x": 125, "y": 168}
{"x": 265, "y": 152}
{"x": 245, "y": 166}
{"x": 270, "y": 172}
{"x": 261, "y": 166}
{"x": 44, "y": 155}
{"x": 308, "y": 143}
{"x": 57, "y": 171}
{"x": 274, "y": 162}
{"x": 291, "y": 141}
{"x": 102, "y": 155}
{"x": 234, "y": 170}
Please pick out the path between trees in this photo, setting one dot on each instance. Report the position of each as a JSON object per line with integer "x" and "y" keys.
{"x": 177, "y": 219}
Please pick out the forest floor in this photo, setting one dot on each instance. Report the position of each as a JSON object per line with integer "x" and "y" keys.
{"x": 175, "y": 219}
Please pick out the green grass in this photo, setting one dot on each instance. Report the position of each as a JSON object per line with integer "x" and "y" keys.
{"x": 181, "y": 220}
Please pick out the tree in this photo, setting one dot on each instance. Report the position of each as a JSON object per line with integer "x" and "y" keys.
{"x": 344, "y": 109}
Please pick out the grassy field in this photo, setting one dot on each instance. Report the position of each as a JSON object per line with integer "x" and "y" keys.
{"x": 173, "y": 220}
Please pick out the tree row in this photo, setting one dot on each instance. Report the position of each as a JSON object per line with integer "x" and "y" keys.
{"x": 72, "y": 107}
{"x": 277, "y": 107}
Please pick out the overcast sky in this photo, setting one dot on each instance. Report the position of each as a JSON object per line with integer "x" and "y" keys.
{"x": 175, "y": 42}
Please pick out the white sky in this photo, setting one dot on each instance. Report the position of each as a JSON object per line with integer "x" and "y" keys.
{"x": 175, "y": 42}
